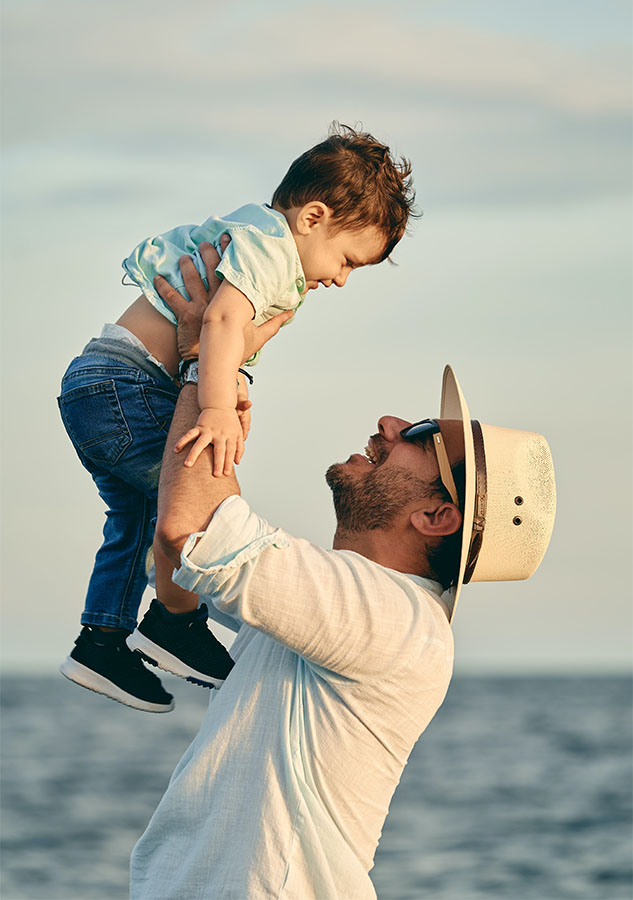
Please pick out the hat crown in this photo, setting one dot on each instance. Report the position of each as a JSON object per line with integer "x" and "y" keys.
{"x": 520, "y": 504}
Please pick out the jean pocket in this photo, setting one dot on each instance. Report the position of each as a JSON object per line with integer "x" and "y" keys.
{"x": 94, "y": 420}
{"x": 160, "y": 405}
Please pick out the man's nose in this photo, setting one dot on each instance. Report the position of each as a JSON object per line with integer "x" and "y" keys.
{"x": 391, "y": 426}
{"x": 340, "y": 279}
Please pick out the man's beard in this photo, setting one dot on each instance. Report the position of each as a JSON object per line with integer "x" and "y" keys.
{"x": 374, "y": 500}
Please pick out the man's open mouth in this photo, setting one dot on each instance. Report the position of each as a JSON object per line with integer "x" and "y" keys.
{"x": 371, "y": 456}
{"x": 373, "y": 453}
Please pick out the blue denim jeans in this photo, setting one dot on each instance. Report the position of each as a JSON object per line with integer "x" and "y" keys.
{"x": 117, "y": 414}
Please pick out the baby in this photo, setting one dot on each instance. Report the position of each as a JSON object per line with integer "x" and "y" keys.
{"x": 343, "y": 204}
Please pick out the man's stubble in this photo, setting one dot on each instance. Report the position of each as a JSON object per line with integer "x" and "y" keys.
{"x": 371, "y": 501}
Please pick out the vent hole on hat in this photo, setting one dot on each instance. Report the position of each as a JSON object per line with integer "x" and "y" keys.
{"x": 518, "y": 500}
{"x": 517, "y": 520}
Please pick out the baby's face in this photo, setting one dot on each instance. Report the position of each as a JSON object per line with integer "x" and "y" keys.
{"x": 328, "y": 256}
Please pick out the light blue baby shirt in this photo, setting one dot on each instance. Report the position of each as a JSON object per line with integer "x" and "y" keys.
{"x": 340, "y": 664}
{"x": 261, "y": 261}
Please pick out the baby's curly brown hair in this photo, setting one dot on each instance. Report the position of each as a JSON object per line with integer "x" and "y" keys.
{"x": 358, "y": 179}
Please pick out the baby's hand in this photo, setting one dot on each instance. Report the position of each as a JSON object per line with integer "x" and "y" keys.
{"x": 220, "y": 427}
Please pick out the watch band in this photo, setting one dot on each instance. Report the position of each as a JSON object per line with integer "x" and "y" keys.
{"x": 186, "y": 364}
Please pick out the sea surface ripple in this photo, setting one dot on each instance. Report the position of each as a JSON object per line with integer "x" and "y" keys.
{"x": 519, "y": 790}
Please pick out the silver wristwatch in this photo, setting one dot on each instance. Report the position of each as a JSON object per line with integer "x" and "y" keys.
{"x": 191, "y": 375}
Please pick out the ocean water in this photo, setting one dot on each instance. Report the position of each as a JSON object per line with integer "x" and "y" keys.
{"x": 520, "y": 789}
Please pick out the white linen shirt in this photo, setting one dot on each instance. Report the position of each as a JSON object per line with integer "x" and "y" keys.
{"x": 340, "y": 664}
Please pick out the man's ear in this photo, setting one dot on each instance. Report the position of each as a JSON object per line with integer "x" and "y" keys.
{"x": 314, "y": 214}
{"x": 446, "y": 519}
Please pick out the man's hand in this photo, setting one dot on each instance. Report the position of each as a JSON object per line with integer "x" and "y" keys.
{"x": 243, "y": 405}
{"x": 190, "y": 313}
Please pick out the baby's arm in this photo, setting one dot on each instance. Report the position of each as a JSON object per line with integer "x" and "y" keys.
{"x": 221, "y": 354}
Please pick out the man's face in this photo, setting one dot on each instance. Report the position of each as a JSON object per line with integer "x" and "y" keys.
{"x": 370, "y": 491}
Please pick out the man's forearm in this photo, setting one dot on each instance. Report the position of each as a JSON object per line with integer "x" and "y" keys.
{"x": 187, "y": 497}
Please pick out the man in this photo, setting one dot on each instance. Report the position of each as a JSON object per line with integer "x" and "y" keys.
{"x": 342, "y": 656}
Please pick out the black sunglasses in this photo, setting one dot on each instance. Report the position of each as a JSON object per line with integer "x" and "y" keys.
{"x": 431, "y": 426}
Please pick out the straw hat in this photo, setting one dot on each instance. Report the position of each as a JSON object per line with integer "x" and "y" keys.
{"x": 509, "y": 498}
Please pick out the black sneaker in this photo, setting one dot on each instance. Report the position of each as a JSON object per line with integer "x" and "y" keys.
{"x": 102, "y": 662}
{"x": 182, "y": 645}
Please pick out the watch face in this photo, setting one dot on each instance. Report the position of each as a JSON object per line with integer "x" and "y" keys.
{"x": 192, "y": 373}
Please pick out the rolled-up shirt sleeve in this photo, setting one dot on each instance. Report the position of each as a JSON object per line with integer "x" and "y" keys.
{"x": 212, "y": 558}
{"x": 336, "y": 609}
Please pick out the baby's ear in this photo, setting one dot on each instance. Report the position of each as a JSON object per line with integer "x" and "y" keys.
{"x": 313, "y": 215}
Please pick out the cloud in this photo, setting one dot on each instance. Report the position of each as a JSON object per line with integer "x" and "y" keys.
{"x": 151, "y": 53}
{"x": 137, "y": 91}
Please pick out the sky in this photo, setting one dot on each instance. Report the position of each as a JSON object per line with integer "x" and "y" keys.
{"x": 124, "y": 119}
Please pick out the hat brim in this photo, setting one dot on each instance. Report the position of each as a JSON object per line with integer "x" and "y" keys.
{"x": 453, "y": 406}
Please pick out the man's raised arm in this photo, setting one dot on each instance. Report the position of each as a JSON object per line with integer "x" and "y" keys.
{"x": 189, "y": 496}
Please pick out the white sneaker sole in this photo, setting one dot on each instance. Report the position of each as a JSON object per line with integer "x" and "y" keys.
{"x": 158, "y": 656}
{"x": 85, "y": 677}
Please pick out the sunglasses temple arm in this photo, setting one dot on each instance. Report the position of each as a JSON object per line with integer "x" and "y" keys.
{"x": 446, "y": 473}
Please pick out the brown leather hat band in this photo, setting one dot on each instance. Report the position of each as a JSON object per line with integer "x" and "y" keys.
{"x": 481, "y": 491}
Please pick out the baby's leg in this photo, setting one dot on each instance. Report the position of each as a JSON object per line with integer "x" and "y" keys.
{"x": 119, "y": 578}
{"x": 117, "y": 418}
{"x": 174, "y": 598}
{"x": 100, "y": 659}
